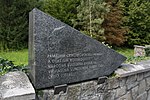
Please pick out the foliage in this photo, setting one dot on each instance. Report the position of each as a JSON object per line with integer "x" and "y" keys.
{"x": 134, "y": 60}
{"x": 98, "y": 19}
{"x": 64, "y": 10}
{"x": 107, "y": 45}
{"x": 137, "y": 19}
{"x": 14, "y": 23}
{"x": 90, "y": 17}
{"x": 7, "y": 66}
{"x": 147, "y": 51}
{"x": 114, "y": 32}
{"x": 113, "y": 75}
{"x": 125, "y": 51}
{"x": 129, "y": 53}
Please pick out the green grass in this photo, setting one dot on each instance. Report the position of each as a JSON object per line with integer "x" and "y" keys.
{"x": 21, "y": 57}
{"x": 126, "y": 52}
{"x": 18, "y": 57}
{"x": 129, "y": 53}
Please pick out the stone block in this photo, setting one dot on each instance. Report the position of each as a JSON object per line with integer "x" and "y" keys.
{"x": 63, "y": 97}
{"x": 139, "y": 50}
{"x": 109, "y": 95}
{"x": 140, "y": 76}
{"x": 142, "y": 96}
{"x": 48, "y": 94}
{"x": 88, "y": 89}
{"x": 113, "y": 83}
{"x": 148, "y": 95}
{"x": 101, "y": 88}
{"x": 127, "y": 96}
{"x": 122, "y": 81}
{"x": 142, "y": 86}
{"x": 148, "y": 83}
{"x": 73, "y": 92}
{"x": 90, "y": 98}
{"x": 121, "y": 91}
{"x": 131, "y": 79}
{"x": 135, "y": 92}
{"x": 132, "y": 85}
{"x": 16, "y": 86}
{"x": 147, "y": 74}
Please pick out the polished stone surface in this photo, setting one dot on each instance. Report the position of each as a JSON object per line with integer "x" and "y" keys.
{"x": 59, "y": 54}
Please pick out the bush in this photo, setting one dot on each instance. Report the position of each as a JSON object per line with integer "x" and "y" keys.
{"x": 64, "y": 10}
{"x": 90, "y": 16}
{"x": 147, "y": 51}
{"x": 14, "y": 23}
{"x": 137, "y": 19}
{"x": 114, "y": 32}
{"x": 7, "y": 66}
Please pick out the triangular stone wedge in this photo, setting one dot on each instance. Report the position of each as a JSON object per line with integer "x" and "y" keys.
{"x": 59, "y": 54}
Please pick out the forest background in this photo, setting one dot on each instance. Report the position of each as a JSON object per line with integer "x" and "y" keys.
{"x": 118, "y": 23}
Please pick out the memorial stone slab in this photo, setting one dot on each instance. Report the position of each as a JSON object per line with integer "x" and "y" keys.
{"x": 139, "y": 51}
{"x": 59, "y": 54}
{"x": 16, "y": 86}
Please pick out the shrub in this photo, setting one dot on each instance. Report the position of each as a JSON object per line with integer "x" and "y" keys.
{"x": 147, "y": 51}
{"x": 137, "y": 19}
{"x": 14, "y": 23}
{"x": 7, "y": 66}
{"x": 90, "y": 16}
{"x": 114, "y": 32}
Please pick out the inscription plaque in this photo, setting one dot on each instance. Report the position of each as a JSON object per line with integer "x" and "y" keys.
{"x": 59, "y": 54}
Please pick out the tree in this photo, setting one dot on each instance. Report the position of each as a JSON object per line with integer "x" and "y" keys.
{"x": 114, "y": 32}
{"x": 137, "y": 19}
{"x": 64, "y": 10}
{"x": 14, "y": 23}
{"x": 90, "y": 17}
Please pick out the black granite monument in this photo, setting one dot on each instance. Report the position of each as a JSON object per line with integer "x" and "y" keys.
{"x": 59, "y": 54}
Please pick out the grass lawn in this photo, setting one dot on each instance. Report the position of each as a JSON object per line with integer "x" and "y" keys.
{"x": 129, "y": 53}
{"x": 19, "y": 57}
{"x": 126, "y": 52}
